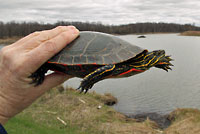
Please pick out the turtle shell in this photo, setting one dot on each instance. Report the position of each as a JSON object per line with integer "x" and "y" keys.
{"x": 96, "y": 48}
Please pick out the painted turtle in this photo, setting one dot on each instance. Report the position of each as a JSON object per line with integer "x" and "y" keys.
{"x": 95, "y": 56}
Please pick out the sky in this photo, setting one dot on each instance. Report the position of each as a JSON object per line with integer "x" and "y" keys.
{"x": 105, "y": 11}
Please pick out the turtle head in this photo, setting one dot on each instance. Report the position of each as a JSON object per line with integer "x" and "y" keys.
{"x": 161, "y": 60}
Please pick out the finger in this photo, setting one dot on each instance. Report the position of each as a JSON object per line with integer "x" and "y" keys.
{"x": 34, "y": 39}
{"x": 49, "y": 48}
{"x": 26, "y": 38}
{"x": 53, "y": 80}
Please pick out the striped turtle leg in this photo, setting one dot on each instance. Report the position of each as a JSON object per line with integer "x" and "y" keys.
{"x": 94, "y": 77}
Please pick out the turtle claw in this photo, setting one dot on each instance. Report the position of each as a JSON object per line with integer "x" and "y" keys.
{"x": 38, "y": 76}
{"x": 84, "y": 88}
{"x": 36, "y": 79}
{"x": 81, "y": 89}
{"x": 164, "y": 63}
{"x": 166, "y": 67}
{"x": 168, "y": 57}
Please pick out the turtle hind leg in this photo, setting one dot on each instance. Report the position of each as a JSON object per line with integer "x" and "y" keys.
{"x": 95, "y": 76}
{"x": 38, "y": 76}
{"x": 85, "y": 87}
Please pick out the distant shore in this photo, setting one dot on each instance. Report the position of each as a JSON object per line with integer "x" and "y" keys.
{"x": 190, "y": 33}
{"x": 7, "y": 41}
{"x": 11, "y": 29}
{"x": 10, "y": 40}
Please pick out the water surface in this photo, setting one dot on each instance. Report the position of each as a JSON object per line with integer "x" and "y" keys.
{"x": 156, "y": 90}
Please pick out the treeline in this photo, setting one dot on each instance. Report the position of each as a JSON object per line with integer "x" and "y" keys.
{"x": 11, "y": 29}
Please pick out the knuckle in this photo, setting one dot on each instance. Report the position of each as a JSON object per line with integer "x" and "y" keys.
{"x": 2, "y": 51}
{"x": 44, "y": 37}
{"x": 5, "y": 54}
{"x": 64, "y": 36}
{"x": 9, "y": 61}
{"x": 36, "y": 33}
{"x": 50, "y": 47}
{"x": 60, "y": 28}
{"x": 16, "y": 66}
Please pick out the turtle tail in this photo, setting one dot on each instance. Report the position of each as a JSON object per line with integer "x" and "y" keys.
{"x": 161, "y": 60}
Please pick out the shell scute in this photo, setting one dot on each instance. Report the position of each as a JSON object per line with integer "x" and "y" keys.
{"x": 95, "y": 47}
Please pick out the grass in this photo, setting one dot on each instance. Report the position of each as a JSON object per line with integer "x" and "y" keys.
{"x": 191, "y": 33}
{"x": 81, "y": 114}
{"x": 185, "y": 121}
{"x": 25, "y": 124}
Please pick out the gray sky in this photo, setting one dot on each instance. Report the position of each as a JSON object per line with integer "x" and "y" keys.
{"x": 105, "y": 11}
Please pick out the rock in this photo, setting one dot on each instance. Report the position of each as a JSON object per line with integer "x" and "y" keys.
{"x": 99, "y": 107}
{"x": 141, "y": 36}
{"x": 161, "y": 120}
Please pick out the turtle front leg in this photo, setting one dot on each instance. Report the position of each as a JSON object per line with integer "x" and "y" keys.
{"x": 94, "y": 77}
{"x": 39, "y": 75}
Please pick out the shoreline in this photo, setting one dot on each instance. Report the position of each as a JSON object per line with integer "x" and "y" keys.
{"x": 190, "y": 33}
{"x": 162, "y": 121}
{"x": 7, "y": 41}
{"x": 87, "y": 113}
{"x": 10, "y": 40}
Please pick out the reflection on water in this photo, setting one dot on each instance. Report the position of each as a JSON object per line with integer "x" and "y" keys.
{"x": 156, "y": 90}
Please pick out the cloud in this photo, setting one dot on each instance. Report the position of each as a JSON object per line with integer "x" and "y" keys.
{"x": 105, "y": 11}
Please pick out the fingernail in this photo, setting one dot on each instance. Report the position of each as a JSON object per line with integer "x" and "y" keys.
{"x": 71, "y": 27}
{"x": 74, "y": 29}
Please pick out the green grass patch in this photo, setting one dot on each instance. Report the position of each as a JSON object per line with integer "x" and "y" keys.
{"x": 24, "y": 124}
{"x": 80, "y": 112}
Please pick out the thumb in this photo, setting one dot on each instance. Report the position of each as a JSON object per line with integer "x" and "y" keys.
{"x": 53, "y": 80}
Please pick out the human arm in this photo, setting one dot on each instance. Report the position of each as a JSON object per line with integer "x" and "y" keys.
{"x": 20, "y": 59}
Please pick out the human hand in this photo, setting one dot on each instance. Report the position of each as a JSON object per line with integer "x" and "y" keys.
{"x": 20, "y": 59}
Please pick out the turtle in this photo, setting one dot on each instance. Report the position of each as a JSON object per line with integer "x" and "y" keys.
{"x": 95, "y": 56}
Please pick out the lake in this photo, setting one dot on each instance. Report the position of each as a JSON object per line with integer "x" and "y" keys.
{"x": 157, "y": 91}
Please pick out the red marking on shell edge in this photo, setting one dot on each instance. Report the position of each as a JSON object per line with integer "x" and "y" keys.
{"x": 94, "y": 63}
{"x": 80, "y": 65}
{"x": 132, "y": 70}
